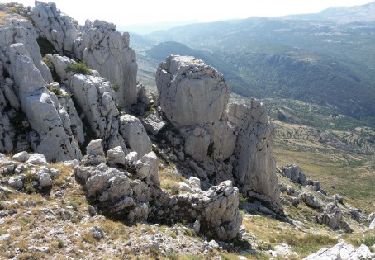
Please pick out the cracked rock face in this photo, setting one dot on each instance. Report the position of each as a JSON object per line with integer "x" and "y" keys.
{"x": 255, "y": 169}
{"x": 194, "y": 98}
{"x": 94, "y": 95}
{"x": 98, "y": 44}
{"x": 27, "y": 95}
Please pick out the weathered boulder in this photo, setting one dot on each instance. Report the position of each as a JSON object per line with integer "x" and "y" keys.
{"x": 115, "y": 193}
{"x": 342, "y": 250}
{"x": 135, "y": 134}
{"x": 294, "y": 173}
{"x": 36, "y": 159}
{"x": 116, "y": 156}
{"x": 94, "y": 153}
{"x": 191, "y": 92}
{"x": 311, "y": 200}
{"x": 333, "y": 217}
{"x": 21, "y": 156}
{"x": 147, "y": 169}
{"x": 216, "y": 209}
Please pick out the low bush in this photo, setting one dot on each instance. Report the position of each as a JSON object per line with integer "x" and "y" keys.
{"x": 79, "y": 68}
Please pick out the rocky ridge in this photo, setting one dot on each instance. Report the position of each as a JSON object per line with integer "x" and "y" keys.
{"x": 79, "y": 104}
{"x": 66, "y": 105}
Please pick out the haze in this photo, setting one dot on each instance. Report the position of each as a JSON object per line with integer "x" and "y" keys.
{"x": 136, "y": 12}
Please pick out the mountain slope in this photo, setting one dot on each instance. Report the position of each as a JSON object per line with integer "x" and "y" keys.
{"x": 320, "y": 61}
{"x": 364, "y": 13}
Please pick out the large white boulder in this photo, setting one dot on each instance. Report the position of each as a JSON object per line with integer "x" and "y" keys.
{"x": 190, "y": 91}
{"x": 342, "y": 251}
{"x": 135, "y": 135}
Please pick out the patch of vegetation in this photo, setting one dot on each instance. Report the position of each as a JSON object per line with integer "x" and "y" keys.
{"x": 79, "y": 68}
{"x": 169, "y": 179}
{"x": 368, "y": 240}
{"x": 350, "y": 175}
{"x": 2, "y": 17}
{"x": 57, "y": 91}
{"x": 271, "y": 232}
{"x": 29, "y": 181}
{"x": 116, "y": 87}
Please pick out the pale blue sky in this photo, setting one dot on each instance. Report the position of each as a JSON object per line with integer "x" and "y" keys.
{"x": 132, "y": 12}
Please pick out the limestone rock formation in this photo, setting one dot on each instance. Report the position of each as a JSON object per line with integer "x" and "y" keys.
{"x": 94, "y": 95}
{"x": 97, "y": 43}
{"x": 342, "y": 250}
{"x": 191, "y": 92}
{"x": 216, "y": 209}
{"x": 194, "y": 98}
{"x": 334, "y": 218}
{"x": 255, "y": 169}
{"x": 136, "y": 196}
{"x": 28, "y": 95}
{"x": 135, "y": 134}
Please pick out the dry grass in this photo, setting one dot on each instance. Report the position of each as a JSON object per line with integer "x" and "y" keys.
{"x": 272, "y": 232}
{"x": 169, "y": 178}
{"x": 3, "y": 15}
{"x": 350, "y": 175}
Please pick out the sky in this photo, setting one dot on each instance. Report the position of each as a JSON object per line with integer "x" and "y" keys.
{"x": 137, "y": 12}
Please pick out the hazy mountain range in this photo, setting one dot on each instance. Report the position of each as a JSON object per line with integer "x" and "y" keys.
{"x": 326, "y": 58}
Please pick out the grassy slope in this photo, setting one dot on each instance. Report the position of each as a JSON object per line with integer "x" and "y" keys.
{"x": 347, "y": 174}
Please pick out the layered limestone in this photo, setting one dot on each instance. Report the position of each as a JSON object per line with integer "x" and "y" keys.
{"x": 98, "y": 44}
{"x": 194, "y": 98}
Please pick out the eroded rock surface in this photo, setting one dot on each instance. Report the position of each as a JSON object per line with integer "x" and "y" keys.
{"x": 194, "y": 98}
{"x": 97, "y": 43}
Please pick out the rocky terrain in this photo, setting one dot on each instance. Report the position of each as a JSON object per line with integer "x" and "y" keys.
{"x": 94, "y": 165}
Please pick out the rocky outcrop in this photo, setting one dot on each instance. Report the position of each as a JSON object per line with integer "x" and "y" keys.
{"x": 97, "y": 43}
{"x": 342, "y": 250}
{"x": 108, "y": 51}
{"x": 26, "y": 95}
{"x": 60, "y": 30}
{"x": 194, "y": 98}
{"x": 255, "y": 169}
{"x": 191, "y": 92}
{"x": 28, "y": 173}
{"x": 215, "y": 210}
{"x": 95, "y": 97}
{"x": 333, "y": 217}
{"x": 135, "y": 195}
{"x": 135, "y": 134}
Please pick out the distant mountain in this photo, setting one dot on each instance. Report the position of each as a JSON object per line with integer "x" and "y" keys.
{"x": 363, "y": 13}
{"x": 312, "y": 58}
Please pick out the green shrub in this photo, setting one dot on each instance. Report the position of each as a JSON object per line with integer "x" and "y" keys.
{"x": 368, "y": 240}
{"x": 115, "y": 87}
{"x": 55, "y": 90}
{"x": 79, "y": 68}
